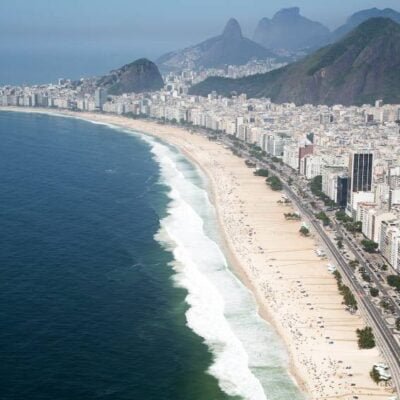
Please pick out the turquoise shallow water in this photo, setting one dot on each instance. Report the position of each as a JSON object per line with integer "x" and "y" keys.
{"x": 112, "y": 282}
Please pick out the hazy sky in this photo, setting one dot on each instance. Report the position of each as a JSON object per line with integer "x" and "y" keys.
{"x": 102, "y": 33}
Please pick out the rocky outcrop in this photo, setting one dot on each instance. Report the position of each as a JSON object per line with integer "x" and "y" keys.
{"x": 290, "y": 31}
{"x": 140, "y": 76}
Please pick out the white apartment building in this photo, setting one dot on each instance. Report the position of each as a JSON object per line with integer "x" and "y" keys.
{"x": 291, "y": 156}
{"x": 311, "y": 166}
{"x": 390, "y": 242}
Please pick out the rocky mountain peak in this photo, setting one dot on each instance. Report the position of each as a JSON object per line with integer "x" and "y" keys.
{"x": 232, "y": 30}
{"x": 286, "y": 13}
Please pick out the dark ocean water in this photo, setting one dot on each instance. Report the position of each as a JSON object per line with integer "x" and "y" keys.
{"x": 88, "y": 309}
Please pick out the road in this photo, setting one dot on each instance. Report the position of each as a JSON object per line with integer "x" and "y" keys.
{"x": 384, "y": 336}
{"x": 363, "y": 262}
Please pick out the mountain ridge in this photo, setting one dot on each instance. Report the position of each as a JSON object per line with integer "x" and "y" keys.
{"x": 358, "y": 69}
{"x": 361, "y": 16}
{"x": 229, "y": 48}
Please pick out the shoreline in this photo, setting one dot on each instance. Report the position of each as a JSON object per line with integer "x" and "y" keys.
{"x": 293, "y": 289}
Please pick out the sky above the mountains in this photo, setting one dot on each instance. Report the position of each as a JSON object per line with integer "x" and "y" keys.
{"x": 104, "y": 33}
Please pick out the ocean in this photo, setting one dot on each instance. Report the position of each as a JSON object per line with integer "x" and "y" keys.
{"x": 113, "y": 282}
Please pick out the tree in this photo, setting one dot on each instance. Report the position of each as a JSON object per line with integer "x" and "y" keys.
{"x": 369, "y": 246}
{"x": 366, "y": 277}
{"x": 304, "y": 231}
{"x": 324, "y": 218}
{"x": 316, "y": 185}
{"x": 353, "y": 227}
{"x": 342, "y": 216}
{"x": 292, "y": 216}
{"x": 348, "y": 297}
{"x": 366, "y": 339}
{"x": 353, "y": 264}
{"x": 394, "y": 281}
{"x": 262, "y": 172}
{"x": 374, "y": 292}
{"x": 340, "y": 244}
{"x": 385, "y": 304}
{"x": 375, "y": 375}
{"x": 398, "y": 324}
{"x": 274, "y": 183}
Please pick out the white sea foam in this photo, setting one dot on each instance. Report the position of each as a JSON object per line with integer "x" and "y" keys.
{"x": 248, "y": 360}
{"x": 195, "y": 252}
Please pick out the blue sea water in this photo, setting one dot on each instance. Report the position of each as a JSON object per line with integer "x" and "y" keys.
{"x": 112, "y": 281}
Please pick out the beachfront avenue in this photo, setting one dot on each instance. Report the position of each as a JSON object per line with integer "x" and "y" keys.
{"x": 388, "y": 344}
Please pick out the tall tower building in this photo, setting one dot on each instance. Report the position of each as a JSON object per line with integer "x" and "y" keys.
{"x": 360, "y": 169}
{"x": 100, "y": 98}
{"x": 360, "y": 179}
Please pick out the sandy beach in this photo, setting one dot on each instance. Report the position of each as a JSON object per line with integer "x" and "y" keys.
{"x": 293, "y": 287}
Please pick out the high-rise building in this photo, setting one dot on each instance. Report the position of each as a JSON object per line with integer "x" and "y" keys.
{"x": 100, "y": 98}
{"x": 342, "y": 188}
{"x": 360, "y": 169}
{"x": 360, "y": 179}
{"x": 389, "y": 242}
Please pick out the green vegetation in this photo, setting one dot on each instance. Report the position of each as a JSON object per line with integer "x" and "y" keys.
{"x": 316, "y": 190}
{"x": 369, "y": 246}
{"x": 257, "y": 152}
{"x": 292, "y": 216}
{"x": 343, "y": 217}
{"x": 304, "y": 231}
{"x": 340, "y": 244}
{"x": 348, "y": 222}
{"x": 385, "y": 304}
{"x": 262, "y": 172}
{"x": 366, "y": 277}
{"x": 374, "y": 292}
{"x": 375, "y": 375}
{"x": 324, "y": 218}
{"x": 353, "y": 264}
{"x": 325, "y": 57}
{"x": 276, "y": 160}
{"x": 394, "y": 281}
{"x": 398, "y": 324}
{"x": 348, "y": 297}
{"x": 250, "y": 164}
{"x": 274, "y": 183}
{"x": 366, "y": 339}
{"x": 316, "y": 185}
{"x": 352, "y": 226}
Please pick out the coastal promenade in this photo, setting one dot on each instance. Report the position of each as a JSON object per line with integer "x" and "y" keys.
{"x": 385, "y": 339}
{"x": 294, "y": 289}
